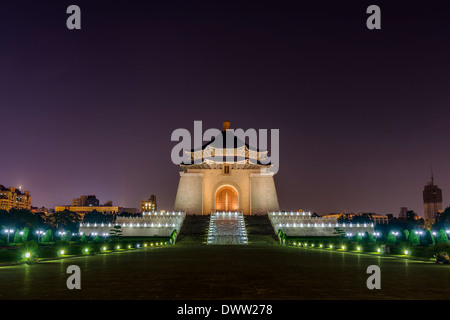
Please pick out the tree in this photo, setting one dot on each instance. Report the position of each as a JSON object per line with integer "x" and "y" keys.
{"x": 344, "y": 218}
{"x": 97, "y": 217}
{"x": 26, "y": 232}
{"x": 48, "y": 236}
{"x": 443, "y": 220}
{"x": 368, "y": 238}
{"x": 66, "y": 220}
{"x": 24, "y": 218}
{"x": 83, "y": 238}
{"x": 442, "y": 237}
{"x": 340, "y": 233}
{"x": 362, "y": 218}
{"x": 67, "y": 236}
{"x": 413, "y": 238}
{"x": 391, "y": 238}
{"x": 17, "y": 237}
{"x": 427, "y": 239}
{"x": 357, "y": 237}
{"x": 411, "y": 215}
{"x": 6, "y": 221}
{"x": 18, "y": 219}
{"x": 116, "y": 232}
{"x": 405, "y": 235}
{"x": 410, "y": 222}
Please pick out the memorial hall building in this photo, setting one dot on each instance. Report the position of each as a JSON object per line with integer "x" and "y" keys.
{"x": 224, "y": 176}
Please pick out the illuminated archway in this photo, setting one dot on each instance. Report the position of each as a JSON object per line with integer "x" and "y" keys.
{"x": 227, "y": 199}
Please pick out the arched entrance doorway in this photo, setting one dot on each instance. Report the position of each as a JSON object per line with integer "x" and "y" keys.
{"x": 227, "y": 199}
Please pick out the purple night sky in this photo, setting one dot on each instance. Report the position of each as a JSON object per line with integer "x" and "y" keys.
{"x": 362, "y": 113}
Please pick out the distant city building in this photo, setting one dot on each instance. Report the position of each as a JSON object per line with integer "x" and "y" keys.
{"x": 40, "y": 210}
{"x": 149, "y": 205}
{"x": 89, "y": 203}
{"x": 111, "y": 210}
{"x": 432, "y": 200}
{"x": 337, "y": 215}
{"x": 374, "y": 217}
{"x": 379, "y": 218}
{"x": 406, "y": 214}
{"x": 403, "y": 212}
{"x": 12, "y": 198}
{"x": 86, "y": 201}
{"x": 108, "y": 203}
{"x": 82, "y": 210}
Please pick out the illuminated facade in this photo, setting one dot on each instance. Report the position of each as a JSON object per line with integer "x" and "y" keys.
{"x": 224, "y": 177}
{"x": 12, "y": 198}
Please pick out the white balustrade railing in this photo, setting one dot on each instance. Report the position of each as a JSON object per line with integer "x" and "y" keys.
{"x": 153, "y": 223}
{"x": 302, "y": 223}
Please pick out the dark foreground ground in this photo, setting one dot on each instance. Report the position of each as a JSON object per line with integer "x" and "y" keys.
{"x": 227, "y": 272}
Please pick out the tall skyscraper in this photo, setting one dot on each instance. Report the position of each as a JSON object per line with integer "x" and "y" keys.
{"x": 432, "y": 199}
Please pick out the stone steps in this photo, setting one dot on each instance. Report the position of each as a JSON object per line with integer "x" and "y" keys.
{"x": 194, "y": 230}
{"x": 260, "y": 230}
{"x": 227, "y": 228}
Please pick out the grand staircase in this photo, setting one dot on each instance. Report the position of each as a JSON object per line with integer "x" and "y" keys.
{"x": 227, "y": 228}
{"x": 213, "y": 229}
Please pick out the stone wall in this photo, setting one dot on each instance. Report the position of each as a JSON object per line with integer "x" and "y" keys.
{"x": 302, "y": 224}
{"x": 263, "y": 194}
{"x": 189, "y": 196}
{"x": 159, "y": 224}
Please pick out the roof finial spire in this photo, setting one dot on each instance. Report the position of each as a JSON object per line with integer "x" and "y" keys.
{"x": 432, "y": 177}
{"x": 226, "y": 125}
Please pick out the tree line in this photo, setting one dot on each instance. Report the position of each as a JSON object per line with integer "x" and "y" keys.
{"x": 24, "y": 224}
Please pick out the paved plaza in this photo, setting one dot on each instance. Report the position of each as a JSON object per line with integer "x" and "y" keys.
{"x": 252, "y": 272}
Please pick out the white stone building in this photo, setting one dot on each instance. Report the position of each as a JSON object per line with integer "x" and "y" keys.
{"x": 226, "y": 177}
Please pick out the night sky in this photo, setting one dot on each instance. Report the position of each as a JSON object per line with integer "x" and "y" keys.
{"x": 362, "y": 113}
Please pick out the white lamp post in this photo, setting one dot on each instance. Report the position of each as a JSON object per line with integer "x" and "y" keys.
{"x": 8, "y": 231}
{"x": 39, "y": 233}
